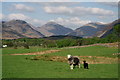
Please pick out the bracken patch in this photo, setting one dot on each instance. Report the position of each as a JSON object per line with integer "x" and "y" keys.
{"x": 89, "y": 59}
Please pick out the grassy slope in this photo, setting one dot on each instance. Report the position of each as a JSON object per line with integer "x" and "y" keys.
{"x": 19, "y": 67}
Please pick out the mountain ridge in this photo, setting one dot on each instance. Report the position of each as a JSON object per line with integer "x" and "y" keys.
{"x": 18, "y": 29}
{"x": 14, "y": 29}
{"x": 53, "y": 28}
{"x": 88, "y": 30}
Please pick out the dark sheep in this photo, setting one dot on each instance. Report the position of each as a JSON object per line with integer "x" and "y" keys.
{"x": 85, "y": 65}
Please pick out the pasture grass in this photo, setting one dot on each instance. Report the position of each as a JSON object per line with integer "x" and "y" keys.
{"x": 17, "y": 66}
{"x": 11, "y": 50}
{"x": 88, "y": 51}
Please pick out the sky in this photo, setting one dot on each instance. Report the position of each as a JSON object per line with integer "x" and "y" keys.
{"x": 69, "y": 14}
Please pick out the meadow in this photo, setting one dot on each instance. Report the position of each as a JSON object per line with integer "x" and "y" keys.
{"x": 47, "y": 66}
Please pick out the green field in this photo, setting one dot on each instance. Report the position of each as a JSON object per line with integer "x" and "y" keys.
{"x": 17, "y": 66}
{"x": 88, "y": 51}
{"x": 22, "y": 50}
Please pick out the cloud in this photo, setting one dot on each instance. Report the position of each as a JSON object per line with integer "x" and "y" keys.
{"x": 1, "y": 0}
{"x": 23, "y": 7}
{"x": 73, "y": 22}
{"x": 37, "y": 22}
{"x": 17, "y": 16}
{"x": 20, "y": 16}
{"x": 60, "y": 10}
{"x": 78, "y": 11}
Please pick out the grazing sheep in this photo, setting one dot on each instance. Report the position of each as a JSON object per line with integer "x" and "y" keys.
{"x": 85, "y": 65}
{"x": 4, "y": 46}
{"x": 73, "y": 61}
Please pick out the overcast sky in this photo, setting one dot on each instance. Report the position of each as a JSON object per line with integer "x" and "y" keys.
{"x": 69, "y": 14}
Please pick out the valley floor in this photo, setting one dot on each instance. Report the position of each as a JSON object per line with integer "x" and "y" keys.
{"x": 102, "y": 62}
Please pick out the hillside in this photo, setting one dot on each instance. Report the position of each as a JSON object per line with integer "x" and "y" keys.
{"x": 18, "y": 29}
{"x": 110, "y": 29}
{"x": 53, "y": 28}
{"x": 88, "y": 30}
{"x": 95, "y": 29}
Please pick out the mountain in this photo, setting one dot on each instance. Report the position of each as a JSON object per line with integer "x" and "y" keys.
{"x": 18, "y": 29}
{"x": 53, "y": 28}
{"x": 110, "y": 27}
{"x": 89, "y": 30}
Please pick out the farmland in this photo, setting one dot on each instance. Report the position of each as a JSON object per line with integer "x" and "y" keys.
{"x": 102, "y": 63}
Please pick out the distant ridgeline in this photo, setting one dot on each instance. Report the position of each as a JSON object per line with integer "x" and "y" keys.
{"x": 63, "y": 41}
{"x": 16, "y": 29}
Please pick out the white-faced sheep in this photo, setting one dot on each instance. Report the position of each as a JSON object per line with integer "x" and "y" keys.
{"x": 73, "y": 61}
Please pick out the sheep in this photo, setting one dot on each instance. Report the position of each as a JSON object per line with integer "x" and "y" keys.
{"x": 4, "y": 46}
{"x": 85, "y": 64}
{"x": 73, "y": 61}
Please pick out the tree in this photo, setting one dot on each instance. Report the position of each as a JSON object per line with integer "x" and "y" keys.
{"x": 26, "y": 46}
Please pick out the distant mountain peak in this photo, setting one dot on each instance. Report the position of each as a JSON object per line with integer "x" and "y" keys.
{"x": 88, "y": 30}
{"x": 19, "y": 29}
{"x": 52, "y": 28}
{"x": 19, "y": 21}
{"x": 95, "y": 29}
{"x": 96, "y": 23}
{"x": 3, "y": 21}
{"x": 52, "y": 24}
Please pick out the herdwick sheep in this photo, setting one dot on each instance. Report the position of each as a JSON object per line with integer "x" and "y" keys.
{"x": 73, "y": 61}
{"x": 85, "y": 65}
